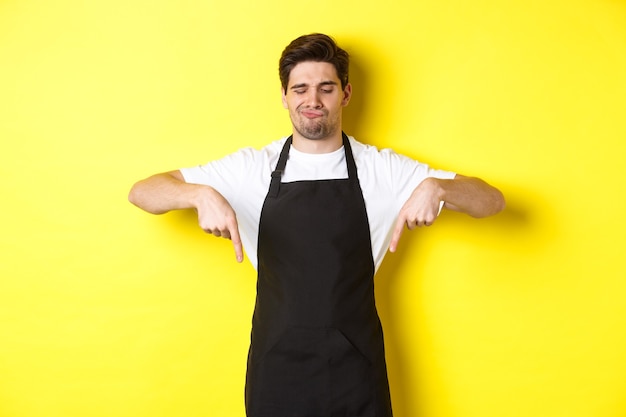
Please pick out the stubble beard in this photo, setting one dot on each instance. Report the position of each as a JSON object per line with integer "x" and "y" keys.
{"x": 314, "y": 129}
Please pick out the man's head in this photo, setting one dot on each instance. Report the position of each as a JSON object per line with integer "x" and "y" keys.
{"x": 314, "y": 74}
{"x": 316, "y": 47}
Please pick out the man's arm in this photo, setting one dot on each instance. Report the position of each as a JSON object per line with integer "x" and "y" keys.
{"x": 468, "y": 195}
{"x": 168, "y": 191}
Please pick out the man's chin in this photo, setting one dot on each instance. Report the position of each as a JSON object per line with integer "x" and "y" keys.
{"x": 313, "y": 133}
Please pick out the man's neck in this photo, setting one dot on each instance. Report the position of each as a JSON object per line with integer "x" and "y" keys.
{"x": 319, "y": 146}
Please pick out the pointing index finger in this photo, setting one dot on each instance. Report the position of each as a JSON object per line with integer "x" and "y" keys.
{"x": 238, "y": 250}
{"x": 236, "y": 239}
{"x": 397, "y": 233}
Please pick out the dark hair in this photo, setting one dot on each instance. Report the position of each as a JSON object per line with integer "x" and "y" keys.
{"x": 315, "y": 47}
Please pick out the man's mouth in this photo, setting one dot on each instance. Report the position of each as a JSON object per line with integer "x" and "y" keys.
{"x": 312, "y": 114}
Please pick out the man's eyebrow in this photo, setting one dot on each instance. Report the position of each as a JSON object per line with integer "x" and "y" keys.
{"x": 304, "y": 85}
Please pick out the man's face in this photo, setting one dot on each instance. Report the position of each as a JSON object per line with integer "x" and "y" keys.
{"x": 315, "y": 99}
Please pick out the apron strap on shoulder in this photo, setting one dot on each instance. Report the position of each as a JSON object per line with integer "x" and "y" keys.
{"x": 352, "y": 170}
{"x": 277, "y": 174}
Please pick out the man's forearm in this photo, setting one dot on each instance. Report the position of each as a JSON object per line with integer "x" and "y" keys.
{"x": 472, "y": 196}
{"x": 163, "y": 192}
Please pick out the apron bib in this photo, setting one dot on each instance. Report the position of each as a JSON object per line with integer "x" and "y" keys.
{"x": 317, "y": 344}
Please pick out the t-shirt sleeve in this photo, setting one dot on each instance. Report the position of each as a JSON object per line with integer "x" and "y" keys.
{"x": 226, "y": 174}
{"x": 406, "y": 174}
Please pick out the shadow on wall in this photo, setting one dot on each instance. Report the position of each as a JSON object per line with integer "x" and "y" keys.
{"x": 356, "y": 116}
{"x": 353, "y": 123}
{"x": 517, "y": 223}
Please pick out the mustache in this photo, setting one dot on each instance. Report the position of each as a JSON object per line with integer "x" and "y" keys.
{"x": 312, "y": 109}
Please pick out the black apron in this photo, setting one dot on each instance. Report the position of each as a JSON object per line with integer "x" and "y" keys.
{"x": 317, "y": 343}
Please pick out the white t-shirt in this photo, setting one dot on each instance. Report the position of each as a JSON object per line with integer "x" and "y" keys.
{"x": 387, "y": 180}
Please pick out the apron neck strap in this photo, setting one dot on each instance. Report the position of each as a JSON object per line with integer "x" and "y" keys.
{"x": 349, "y": 158}
{"x": 277, "y": 174}
{"x": 284, "y": 154}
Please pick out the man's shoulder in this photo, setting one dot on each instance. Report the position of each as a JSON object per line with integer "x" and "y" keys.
{"x": 276, "y": 144}
{"x": 365, "y": 150}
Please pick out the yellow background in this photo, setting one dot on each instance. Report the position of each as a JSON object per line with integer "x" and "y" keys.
{"x": 108, "y": 311}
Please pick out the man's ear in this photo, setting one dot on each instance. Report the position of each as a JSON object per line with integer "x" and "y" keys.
{"x": 347, "y": 94}
{"x": 284, "y": 97}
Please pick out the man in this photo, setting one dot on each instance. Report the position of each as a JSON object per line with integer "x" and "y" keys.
{"x": 317, "y": 212}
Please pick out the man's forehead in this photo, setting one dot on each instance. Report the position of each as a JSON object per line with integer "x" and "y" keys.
{"x": 313, "y": 73}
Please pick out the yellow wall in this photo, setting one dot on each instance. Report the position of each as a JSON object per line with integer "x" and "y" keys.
{"x": 108, "y": 311}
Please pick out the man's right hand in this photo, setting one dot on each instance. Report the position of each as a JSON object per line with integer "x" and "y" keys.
{"x": 167, "y": 191}
{"x": 217, "y": 217}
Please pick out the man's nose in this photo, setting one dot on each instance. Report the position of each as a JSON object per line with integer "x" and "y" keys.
{"x": 313, "y": 99}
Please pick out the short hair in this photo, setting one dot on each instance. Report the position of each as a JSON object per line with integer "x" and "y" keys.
{"x": 315, "y": 47}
